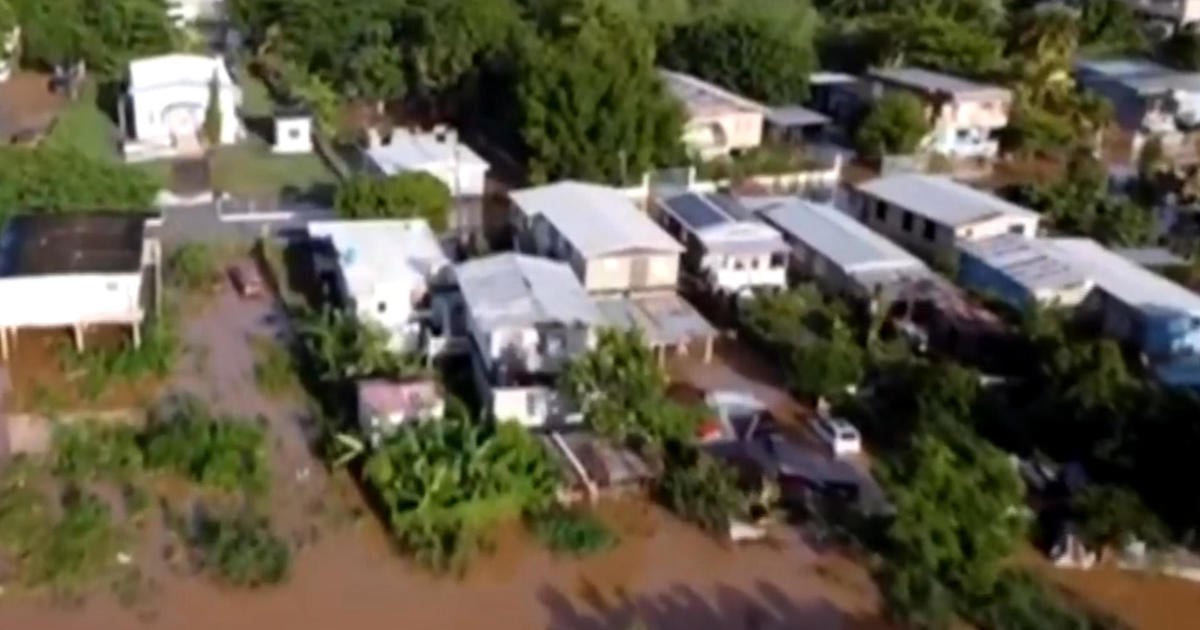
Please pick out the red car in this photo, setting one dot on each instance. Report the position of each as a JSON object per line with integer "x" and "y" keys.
{"x": 246, "y": 280}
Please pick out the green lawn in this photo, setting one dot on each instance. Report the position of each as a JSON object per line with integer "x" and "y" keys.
{"x": 256, "y": 100}
{"x": 250, "y": 169}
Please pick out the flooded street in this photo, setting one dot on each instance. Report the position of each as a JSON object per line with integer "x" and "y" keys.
{"x": 665, "y": 573}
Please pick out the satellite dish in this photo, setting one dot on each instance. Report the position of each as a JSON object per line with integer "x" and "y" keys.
{"x": 349, "y": 256}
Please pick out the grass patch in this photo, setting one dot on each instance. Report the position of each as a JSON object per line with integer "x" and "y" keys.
{"x": 243, "y": 551}
{"x": 274, "y": 368}
{"x": 763, "y": 160}
{"x": 101, "y": 368}
{"x": 249, "y": 169}
{"x": 221, "y": 453}
{"x": 85, "y": 451}
{"x": 571, "y": 532}
{"x": 194, "y": 267}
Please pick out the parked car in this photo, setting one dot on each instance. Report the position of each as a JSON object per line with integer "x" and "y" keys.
{"x": 246, "y": 280}
{"x": 841, "y": 436}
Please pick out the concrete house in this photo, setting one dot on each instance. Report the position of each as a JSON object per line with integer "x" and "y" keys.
{"x": 1178, "y": 13}
{"x": 383, "y": 271}
{"x": 725, "y": 243}
{"x": 840, "y": 254}
{"x": 609, "y": 243}
{"x": 718, "y": 121}
{"x": 964, "y": 116}
{"x": 439, "y": 153}
{"x": 526, "y": 319}
{"x": 77, "y": 271}
{"x": 1024, "y": 272}
{"x": 168, "y": 96}
{"x": 930, "y": 214}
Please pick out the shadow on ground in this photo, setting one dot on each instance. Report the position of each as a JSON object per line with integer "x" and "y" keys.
{"x": 683, "y": 608}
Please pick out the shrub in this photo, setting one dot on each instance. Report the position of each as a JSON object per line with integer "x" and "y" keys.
{"x": 570, "y": 532}
{"x": 699, "y": 489}
{"x": 243, "y": 551}
{"x": 103, "y": 367}
{"x": 193, "y": 267}
{"x": 274, "y": 367}
{"x": 85, "y": 451}
{"x": 223, "y": 453}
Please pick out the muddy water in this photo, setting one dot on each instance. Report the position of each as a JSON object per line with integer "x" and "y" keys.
{"x": 1140, "y": 600}
{"x": 664, "y": 573}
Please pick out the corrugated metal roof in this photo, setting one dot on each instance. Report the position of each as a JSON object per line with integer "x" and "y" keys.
{"x": 407, "y": 151}
{"x": 1150, "y": 256}
{"x": 172, "y": 69}
{"x": 942, "y": 199}
{"x": 595, "y": 219}
{"x": 722, "y": 224}
{"x": 938, "y": 82}
{"x": 850, "y": 245}
{"x": 702, "y": 98}
{"x": 1033, "y": 263}
{"x": 664, "y": 318}
{"x": 385, "y": 251}
{"x": 795, "y": 116}
{"x": 517, "y": 290}
{"x": 1136, "y": 286}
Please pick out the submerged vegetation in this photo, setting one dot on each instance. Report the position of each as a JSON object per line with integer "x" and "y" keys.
{"x": 571, "y": 532}
{"x": 243, "y": 551}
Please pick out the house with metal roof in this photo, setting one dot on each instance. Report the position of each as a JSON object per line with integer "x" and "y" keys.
{"x": 718, "y": 121}
{"x": 965, "y": 117}
{"x": 382, "y": 271}
{"x": 167, "y": 96}
{"x": 439, "y": 152}
{"x": 842, "y": 255}
{"x": 1145, "y": 95}
{"x": 1024, "y": 272}
{"x": 77, "y": 271}
{"x": 598, "y": 230}
{"x": 1136, "y": 305}
{"x": 931, "y": 214}
{"x": 526, "y": 317}
{"x": 726, "y": 245}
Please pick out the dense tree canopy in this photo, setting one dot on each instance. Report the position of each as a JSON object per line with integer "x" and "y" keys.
{"x": 896, "y": 124}
{"x": 403, "y": 196}
{"x": 761, "y": 49}
{"x": 103, "y": 35}
{"x": 53, "y": 180}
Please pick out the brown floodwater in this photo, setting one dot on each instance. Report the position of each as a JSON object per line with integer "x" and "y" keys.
{"x": 664, "y": 573}
{"x": 1139, "y": 599}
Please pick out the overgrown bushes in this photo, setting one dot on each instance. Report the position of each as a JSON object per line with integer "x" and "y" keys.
{"x": 193, "y": 267}
{"x": 570, "y": 532}
{"x": 223, "y": 453}
{"x": 101, "y": 368}
{"x": 243, "y": 551}
{"x": 55, "y": 180}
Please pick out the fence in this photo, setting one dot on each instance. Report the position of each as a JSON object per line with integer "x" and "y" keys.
{"x": 668, "y": 181}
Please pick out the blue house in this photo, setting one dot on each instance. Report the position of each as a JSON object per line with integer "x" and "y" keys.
{"x": 1024, "y": 272}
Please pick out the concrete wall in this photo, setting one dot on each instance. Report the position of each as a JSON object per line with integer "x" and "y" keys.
{"x": 929, "y": 237}
{"x": 64, "y": 300}
{"x": 623, "y": 272}
{"x": 183, "y": 105}
{"x": 716, "y": 135}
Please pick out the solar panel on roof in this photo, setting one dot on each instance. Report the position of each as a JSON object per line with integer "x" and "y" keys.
{"x": 695, "y": 211}
{"x": 731, "y": 206}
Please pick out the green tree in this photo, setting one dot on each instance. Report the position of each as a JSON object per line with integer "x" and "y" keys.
{"x": 443, "y": 41}
{"x": 1182, "y": 50}
{"x": 31, "y": 180}
{"x": 761, "y": 49}
{"x": 958, "y": 519}
{"x": 1110, "y": 26}
{"x": 212, "y": 112}
{"x": 699, "y": 489}
{"x": 825, "y": 367}
{"x": 1109, "y": 517}
{"x": 590, "y": 104}
{"x": 243, "y": 551}
{"x": 896, "y": 124}
{"x": 405, "y": 196}
{"x": 341, "y": 348}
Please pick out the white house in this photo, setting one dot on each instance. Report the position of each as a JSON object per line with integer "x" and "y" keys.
{"x": 385, "y": 405}
{"x": 183, "y": 12}
{"x": 384, "y": 270}
{"x": 439, "y": 153}
{"x": 718, "y": 121}
{"x": 725, "y": 243}
{"x": 965, "y": 117}
{"x": 77, "y": 271}
{"x": 931, "y": 213}
{"x": 527, "y": 317}
{"x": 1178, "y": 13}
{"x": 168, "y": 96}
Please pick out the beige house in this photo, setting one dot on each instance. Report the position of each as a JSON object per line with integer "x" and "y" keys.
{"x": 610, "y": 244}
{"x": 931, "y": 214}
{"x": 718, "y": 121}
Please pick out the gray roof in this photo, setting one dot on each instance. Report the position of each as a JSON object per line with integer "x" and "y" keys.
{"x": 663, "y": 318}
{"x": 795, "y": 116}
{"x": 942, "y": 199}
{"x": 1140, "y": 75}
{"x": 515, "y": 290}
{"x": 1150, "y": 256}
{"x": 850, "y": 245}
{"x": 1127, "y": 282}
{"x": 703, "y": 98}
{"x": 596, "y": 220}
{"x": 1033, "y": 263}
{"x": 720, "y": 223}
{"x": 931, "y": 82}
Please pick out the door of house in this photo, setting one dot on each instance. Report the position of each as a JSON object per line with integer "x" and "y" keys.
{"x": 639, "y": 274}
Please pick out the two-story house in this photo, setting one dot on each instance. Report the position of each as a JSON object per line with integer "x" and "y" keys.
{"x": 600, "y": 233}
{"x": 526, "y": 319}
{"x": 382, "y": 271}
{"x": 718, "y": 121}
{"x": 930, "y": 213}
{"x": 726, "y": 245}
{"x": 965, "y": 117}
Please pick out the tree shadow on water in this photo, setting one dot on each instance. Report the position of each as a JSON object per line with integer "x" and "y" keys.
{"x": 683, "y": 608}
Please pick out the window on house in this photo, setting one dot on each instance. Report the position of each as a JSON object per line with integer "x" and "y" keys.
{"x": 294, "y": 133}
{"x": 1017, "y": 229}
{"x": 907, "y": 221}
{"x": 754, "y": 263}
{"x": 381, "y": 308}
{"x": 930, "y": 230}
{"x": 880, "y": 211}
{"x": 777, "y": 259}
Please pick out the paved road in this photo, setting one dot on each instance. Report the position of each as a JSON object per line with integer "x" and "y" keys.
{"x": 209, "y": 223}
